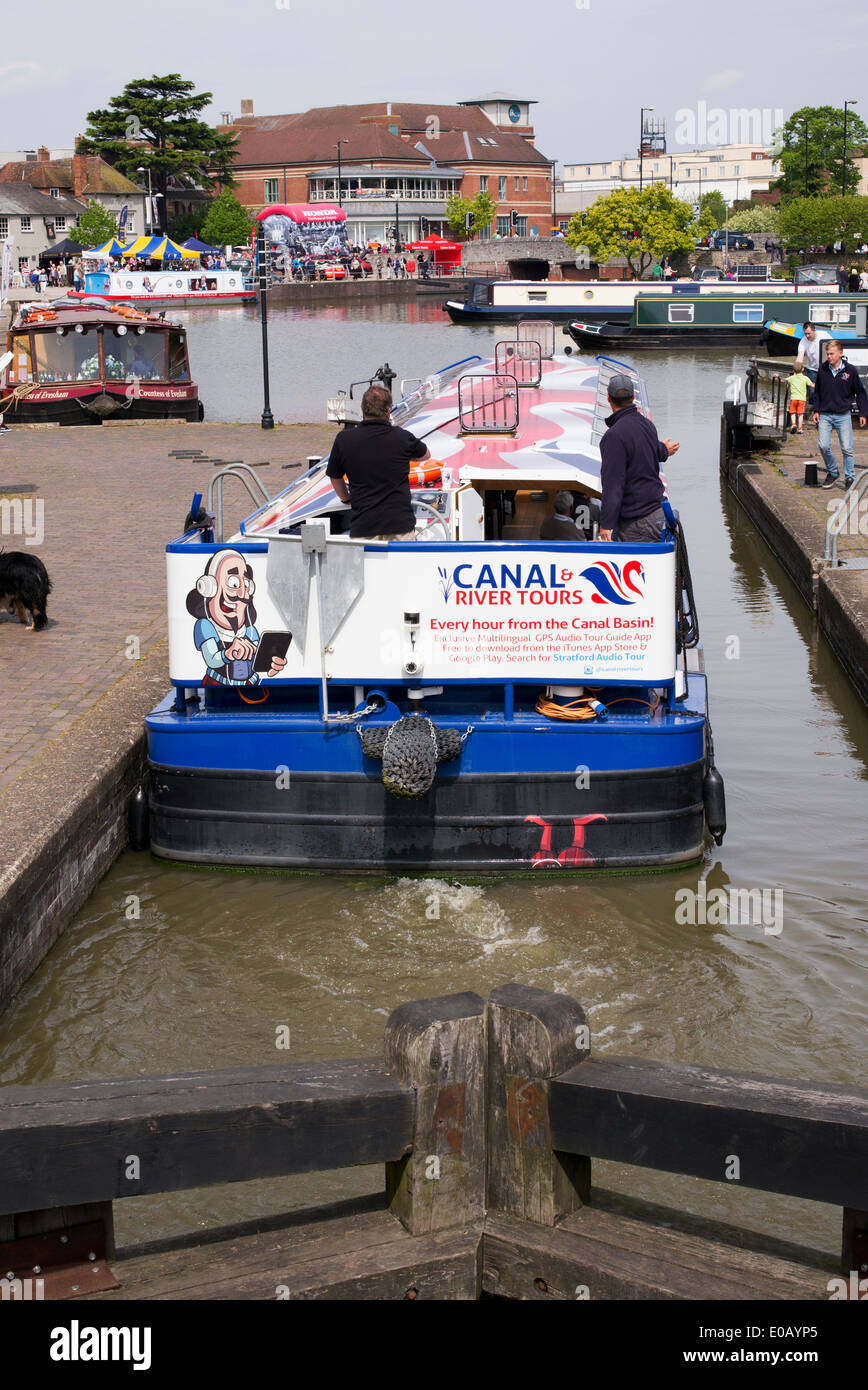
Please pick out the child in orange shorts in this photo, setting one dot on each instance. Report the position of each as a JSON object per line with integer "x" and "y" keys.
{"x": 798, "y": 384}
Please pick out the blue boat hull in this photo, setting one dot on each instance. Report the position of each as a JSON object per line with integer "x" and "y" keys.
{"x": 277, "y": 790}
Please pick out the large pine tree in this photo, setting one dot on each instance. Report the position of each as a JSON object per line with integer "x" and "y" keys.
{"x": 155, "y": 125}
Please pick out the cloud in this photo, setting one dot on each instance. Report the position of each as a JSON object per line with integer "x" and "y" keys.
{"x": 18, "y": 76}
{"x": 722, "y": 81}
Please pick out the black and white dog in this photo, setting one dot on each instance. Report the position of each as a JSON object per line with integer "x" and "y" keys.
{"x": 24, "y": 587}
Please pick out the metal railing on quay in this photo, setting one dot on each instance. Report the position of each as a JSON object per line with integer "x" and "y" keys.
{"x": 847, "y": 508}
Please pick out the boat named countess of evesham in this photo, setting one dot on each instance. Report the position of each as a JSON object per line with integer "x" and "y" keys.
{"x": 478, "y": 699}
{"x": 81, "y": 363}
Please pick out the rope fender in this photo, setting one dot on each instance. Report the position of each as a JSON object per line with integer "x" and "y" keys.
{"x": 410, "y": 750}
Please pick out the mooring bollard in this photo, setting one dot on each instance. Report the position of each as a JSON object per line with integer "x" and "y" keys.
{"x": 533, "y": 1036}
{"x": 438, "y": 1046}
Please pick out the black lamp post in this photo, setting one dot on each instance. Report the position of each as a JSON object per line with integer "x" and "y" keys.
{"x": 844, "y": 161}
{"x": 340, "y": 189}
{"x": 267, "y": 420}
{"x": 642, "y": 140}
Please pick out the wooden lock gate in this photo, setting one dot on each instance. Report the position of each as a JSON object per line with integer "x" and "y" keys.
{"x": 486, "y": 1115}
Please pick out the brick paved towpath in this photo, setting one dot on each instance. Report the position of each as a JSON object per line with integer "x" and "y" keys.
{"x": 112, "y": 498}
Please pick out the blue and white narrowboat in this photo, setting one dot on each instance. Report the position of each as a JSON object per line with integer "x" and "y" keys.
{"x": 476, "y": 700}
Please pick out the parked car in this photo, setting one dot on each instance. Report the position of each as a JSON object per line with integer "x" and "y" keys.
{"x": 710, "y": 272}
{"x": 738, "y": 241}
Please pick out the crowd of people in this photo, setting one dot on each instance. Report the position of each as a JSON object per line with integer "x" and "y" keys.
{"x": 380, "y": 262}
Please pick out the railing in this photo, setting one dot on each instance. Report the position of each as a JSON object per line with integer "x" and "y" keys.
{"x": 847, "y": 508}
{"x": 244, "y": 473}
{"x": 487, "y": 1117}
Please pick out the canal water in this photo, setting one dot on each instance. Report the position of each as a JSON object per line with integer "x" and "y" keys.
{"x": 169, "y": 969}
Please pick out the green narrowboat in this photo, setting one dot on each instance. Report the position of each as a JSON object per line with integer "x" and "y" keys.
{"x": 725, "y": 319}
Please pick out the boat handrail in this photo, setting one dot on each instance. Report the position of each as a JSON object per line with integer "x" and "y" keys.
{"x": 215, "y": 486}
{"x": 849, "y": 505}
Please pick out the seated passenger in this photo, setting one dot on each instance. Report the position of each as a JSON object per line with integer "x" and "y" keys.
{"x": 560, "y": 526}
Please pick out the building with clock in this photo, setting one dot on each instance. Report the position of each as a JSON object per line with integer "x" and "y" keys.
{"x": 399, "y": 161}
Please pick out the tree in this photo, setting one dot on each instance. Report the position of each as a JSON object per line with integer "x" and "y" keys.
{"x": 189, "y": 224}
{"x": 227, "y": 222}
{"x": 640, "y": 226}
{"x": 823, "y": 151}
{"x": 713, "y": 204}
{"x": 457, "y": 210}
{"x": 95, "y": 227}
{"x": 805, "y": 222}
{"x": 762, "y": 217}
{"x": 154, "y": 124}
{"x": 483, "y": 208}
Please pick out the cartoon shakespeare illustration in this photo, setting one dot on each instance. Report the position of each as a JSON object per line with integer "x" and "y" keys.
{"x": 225, "y": 633}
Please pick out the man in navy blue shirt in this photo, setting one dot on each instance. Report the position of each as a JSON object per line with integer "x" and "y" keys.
{"x": 369, "y": 467}
{"x": 632, "y": 453}
{"x": 837, "y": 386}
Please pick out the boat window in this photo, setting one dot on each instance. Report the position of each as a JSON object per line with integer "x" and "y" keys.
{"x": 830, "y": 313}
{"x": 179, "y": 367}
{"x": 134, "y": 354}
{"x": 66, "y": 356}
{"x": 748, "y": 313}
{"x": 681, "y": 313}
{"x": 20, "y": 367}
{"x": 589, "y": 294}
{"x": 537, "y": 296}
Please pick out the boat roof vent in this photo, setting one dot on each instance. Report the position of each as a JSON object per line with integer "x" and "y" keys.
{"x": 488, "y": 404}
{"x": 541, "y": 331}
{"x": 523, "y": 360}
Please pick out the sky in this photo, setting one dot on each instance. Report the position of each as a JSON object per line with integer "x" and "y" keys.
{"x": 590, "y": 64}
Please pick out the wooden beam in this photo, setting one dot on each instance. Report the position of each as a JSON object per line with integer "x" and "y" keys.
{"x": 94, "y": 1141}
{"x": 533, "y": 1036}
{"x": 596, "y": 1255}
{"x": 799, "y": 1138}
{"x": 438, "y": 1047}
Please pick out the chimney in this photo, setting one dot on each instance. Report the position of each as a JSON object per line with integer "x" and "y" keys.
{"x": 79, "y": 174}
{"x": 246, "y": 107}
{"x": 43, "y": 155}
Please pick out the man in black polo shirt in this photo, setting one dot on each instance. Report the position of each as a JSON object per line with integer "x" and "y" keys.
{"x": 375, "y": 457}
{"x": 632, "y": 454}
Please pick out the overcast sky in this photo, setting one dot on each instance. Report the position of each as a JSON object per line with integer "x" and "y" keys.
{"x": 589, "y": 68}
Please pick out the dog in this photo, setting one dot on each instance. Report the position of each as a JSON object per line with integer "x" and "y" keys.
{"x": 24, "y": 587}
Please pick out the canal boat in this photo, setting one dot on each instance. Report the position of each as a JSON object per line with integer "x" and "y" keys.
{"x": 79, "y": 363}
{"x": 477, "y": 700}
{"x": 784, "y": 338}
{"x": 595, "y": 301}
{"x": 720, "y": 318}
{"x": 165, "y": 289}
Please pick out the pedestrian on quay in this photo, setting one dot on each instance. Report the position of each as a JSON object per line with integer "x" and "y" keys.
{"x": 799, "y": 386}
{"x": 863, "y": 281}
{"x": 631, "y": 452}
{"x": 809, "y": 349}
{"x": 837, "y": 387}
{"x": 853, "y": 280}
{"x": 841, "y": 277}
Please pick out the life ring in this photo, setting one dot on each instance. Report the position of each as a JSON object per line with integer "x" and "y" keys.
{"x": 425, "y": 473}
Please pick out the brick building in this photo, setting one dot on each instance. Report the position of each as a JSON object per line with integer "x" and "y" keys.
{"x": 398, "y": 159}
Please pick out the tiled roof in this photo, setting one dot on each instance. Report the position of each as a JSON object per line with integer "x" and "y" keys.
{"x": 57, "y": 173}
{"x": 309, "y": 137}
{"x": 17, "y": 197}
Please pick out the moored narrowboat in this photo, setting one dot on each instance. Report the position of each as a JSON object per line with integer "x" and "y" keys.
{"x": 723, "y": 318}
{"x": 81, "y": 363}
{"x": 598, "y": 301}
